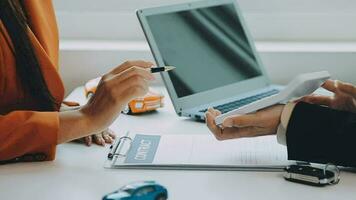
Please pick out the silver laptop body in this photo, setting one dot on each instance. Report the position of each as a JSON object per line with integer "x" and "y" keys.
{"x": 215, "y": 58}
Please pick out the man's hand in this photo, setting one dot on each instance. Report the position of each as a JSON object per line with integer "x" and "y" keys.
{"x": 344, "y": 96}
{"x": 264, "y": 122}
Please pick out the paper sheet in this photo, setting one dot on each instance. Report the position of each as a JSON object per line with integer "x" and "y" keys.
{"x": 204, "y": 151}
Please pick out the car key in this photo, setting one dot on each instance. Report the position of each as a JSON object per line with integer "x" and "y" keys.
{"x": 309, "y": 175}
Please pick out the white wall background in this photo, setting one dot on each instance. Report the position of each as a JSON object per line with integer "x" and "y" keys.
{"x": 292, "y": 36}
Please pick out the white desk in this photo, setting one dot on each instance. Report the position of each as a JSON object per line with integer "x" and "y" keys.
{"x": 78, "y": 173}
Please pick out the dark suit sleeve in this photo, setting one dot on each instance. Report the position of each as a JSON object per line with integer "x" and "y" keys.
{"x": 322, "y": 135}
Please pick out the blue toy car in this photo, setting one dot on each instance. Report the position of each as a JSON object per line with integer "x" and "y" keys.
{"x": 146, "y": 190}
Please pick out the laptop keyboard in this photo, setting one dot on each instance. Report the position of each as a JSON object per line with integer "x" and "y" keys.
{"x": 242, "y": 102}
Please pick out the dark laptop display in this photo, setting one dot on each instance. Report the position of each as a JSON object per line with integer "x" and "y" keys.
{"x": 207, "y": 45}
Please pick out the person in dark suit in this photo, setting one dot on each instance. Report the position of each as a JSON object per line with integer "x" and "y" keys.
{"x": 319, "y": 129}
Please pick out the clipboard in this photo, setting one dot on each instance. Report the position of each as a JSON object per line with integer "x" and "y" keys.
{"x": 196, "y": 152}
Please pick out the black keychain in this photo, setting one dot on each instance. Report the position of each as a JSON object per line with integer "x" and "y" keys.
{"x": 309, "y": 175}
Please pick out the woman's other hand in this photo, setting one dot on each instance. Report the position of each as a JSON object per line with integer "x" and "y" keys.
{"x": 105, "y": 137}
{"x": 264, "y": 122}
{"x": 344, "y": 96}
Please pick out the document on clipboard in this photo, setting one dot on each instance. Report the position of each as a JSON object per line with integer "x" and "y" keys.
{"x": 196, "y": 152}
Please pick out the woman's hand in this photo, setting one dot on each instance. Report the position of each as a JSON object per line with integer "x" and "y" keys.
{"x": 264, "y": 122}
{"x": 115, "y": 90}
{"x": 105, "y": 137}
{"x": 344, "y": 96}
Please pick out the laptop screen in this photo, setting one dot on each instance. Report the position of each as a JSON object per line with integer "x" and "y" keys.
{"x": 208, "y": 47}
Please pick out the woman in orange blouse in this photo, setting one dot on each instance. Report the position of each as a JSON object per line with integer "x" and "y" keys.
{"x": 31, "y": 90}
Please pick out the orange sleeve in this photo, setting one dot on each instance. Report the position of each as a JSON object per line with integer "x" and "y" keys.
{"x": 28, "y": 135}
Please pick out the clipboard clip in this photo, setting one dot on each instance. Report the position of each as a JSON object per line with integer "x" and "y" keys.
{"x": 120, "y": 147}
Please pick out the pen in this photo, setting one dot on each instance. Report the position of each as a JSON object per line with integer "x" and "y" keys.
{"x": 90, "y": 86}
{"x": 161, "y": 69}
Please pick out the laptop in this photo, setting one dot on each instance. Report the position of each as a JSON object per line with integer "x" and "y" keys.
{"x": 215, "y": 58}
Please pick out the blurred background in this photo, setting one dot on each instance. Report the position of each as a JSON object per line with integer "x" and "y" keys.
{"x": 292, "y": 36}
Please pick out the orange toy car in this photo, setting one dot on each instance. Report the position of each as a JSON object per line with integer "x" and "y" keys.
{"x": 150, "y": 102}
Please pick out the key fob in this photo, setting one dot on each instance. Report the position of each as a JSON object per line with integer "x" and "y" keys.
{"x": 309, "y": 175}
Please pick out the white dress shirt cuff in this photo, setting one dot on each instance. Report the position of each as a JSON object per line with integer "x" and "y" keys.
{"x": 282, "y": 128}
